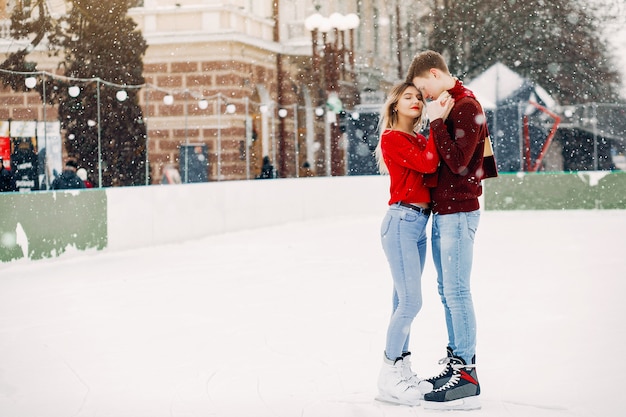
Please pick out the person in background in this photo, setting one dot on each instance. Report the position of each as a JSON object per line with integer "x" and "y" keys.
{"x": 170, "y": 175}
{"x": 7, "y": 180}
{"x": 406, "y": 156}
{"x": 68, "y": 179}
{"x": 458, "y": 128}
{"x": 308, "y": 172}
{"x": 82, "y": 174}
{"x": 267, "y": 170}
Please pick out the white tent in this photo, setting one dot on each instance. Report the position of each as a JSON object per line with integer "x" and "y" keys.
{"x": 499, "y": 82}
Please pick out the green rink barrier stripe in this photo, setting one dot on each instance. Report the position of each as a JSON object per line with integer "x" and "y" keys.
{"x": 556, "y": 191}
{"x": 46, "y": 224}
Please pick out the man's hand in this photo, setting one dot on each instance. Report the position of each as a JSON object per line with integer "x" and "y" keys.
{"x": 440, "y": 108}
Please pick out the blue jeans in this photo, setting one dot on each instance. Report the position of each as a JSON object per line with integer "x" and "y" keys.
{"x": 453, "y": 250}
{"x": 403, "y": 236}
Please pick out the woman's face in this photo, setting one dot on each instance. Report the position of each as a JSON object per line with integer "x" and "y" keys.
{"x": 410, "y": 103}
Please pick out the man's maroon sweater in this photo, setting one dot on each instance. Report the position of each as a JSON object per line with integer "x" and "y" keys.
{"x": 460, "y": 141}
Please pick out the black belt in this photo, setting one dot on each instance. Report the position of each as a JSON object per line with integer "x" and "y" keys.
{"x": 424, "y": 211}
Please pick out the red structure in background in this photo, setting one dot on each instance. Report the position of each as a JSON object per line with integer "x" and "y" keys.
{"x": 528, "y": 165}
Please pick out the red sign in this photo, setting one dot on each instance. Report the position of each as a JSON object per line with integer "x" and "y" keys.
{"x": 5, "y": 151}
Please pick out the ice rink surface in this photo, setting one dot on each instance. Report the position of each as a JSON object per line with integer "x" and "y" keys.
{"x": 290, "y": 321}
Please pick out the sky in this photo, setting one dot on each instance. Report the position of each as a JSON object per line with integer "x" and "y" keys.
{"x": 290, "y": 321}
{"x": 615, "y": 33}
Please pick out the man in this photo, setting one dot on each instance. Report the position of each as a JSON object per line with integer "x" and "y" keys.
{"x": 7, "y": 181}
{"x": 458, "y": 127}
{"x": 68, "y": 179}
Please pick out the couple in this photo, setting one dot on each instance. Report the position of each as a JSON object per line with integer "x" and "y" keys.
{"x": 441, "y": 175}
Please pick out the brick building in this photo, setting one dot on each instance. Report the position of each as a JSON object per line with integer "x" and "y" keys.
{"x": 244, "y": 80}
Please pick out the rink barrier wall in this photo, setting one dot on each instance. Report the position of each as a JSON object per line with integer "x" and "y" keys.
{"x": 158, "y": 215}
{"x": 48, "y": 224}
{"x": 556, "y": 191}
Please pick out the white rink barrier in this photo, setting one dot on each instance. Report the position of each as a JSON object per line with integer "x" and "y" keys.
{"x": 49, "y": 224}
{"x": 155, "y": 215}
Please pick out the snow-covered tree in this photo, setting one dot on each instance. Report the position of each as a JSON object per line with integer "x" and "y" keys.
{"x": 556, "y": 43}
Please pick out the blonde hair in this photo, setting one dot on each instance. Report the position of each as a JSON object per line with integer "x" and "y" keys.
{"x": 389, "y": 119}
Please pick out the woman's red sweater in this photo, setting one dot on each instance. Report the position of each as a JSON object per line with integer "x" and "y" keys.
{"x": 408, "y": 157}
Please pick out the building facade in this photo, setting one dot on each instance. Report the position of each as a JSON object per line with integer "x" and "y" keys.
{"x": 248, "y": 80}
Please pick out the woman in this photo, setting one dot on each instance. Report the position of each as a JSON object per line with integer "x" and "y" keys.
{"x": 406, "y": 156}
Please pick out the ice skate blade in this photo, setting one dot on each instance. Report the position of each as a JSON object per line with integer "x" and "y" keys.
{"x": 395, "y": 401}
{"x": 467, "y": 403}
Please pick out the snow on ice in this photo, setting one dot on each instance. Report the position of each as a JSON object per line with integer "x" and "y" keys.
{"x": 290, "y": 321}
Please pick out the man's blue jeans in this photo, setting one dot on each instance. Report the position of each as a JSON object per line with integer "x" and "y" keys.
{"x": 453, "y": 251}
{"x": 403, "y": 236}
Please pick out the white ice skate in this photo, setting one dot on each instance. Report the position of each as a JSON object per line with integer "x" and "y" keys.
{"x": 393, "y": 387}
{"x": 422, "y": 385}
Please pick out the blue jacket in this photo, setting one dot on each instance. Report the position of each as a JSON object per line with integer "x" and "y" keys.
{"x": 67, "y": 180}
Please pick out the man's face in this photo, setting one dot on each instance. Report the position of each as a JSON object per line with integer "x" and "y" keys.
{"x": 429, "y": 85}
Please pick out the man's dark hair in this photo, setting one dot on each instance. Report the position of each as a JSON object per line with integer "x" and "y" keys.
{"x": 423, "y": 62}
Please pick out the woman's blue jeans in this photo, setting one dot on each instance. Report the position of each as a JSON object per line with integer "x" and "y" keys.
{"x": 453, "y": 251}
{"x": 403, "y": 236}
